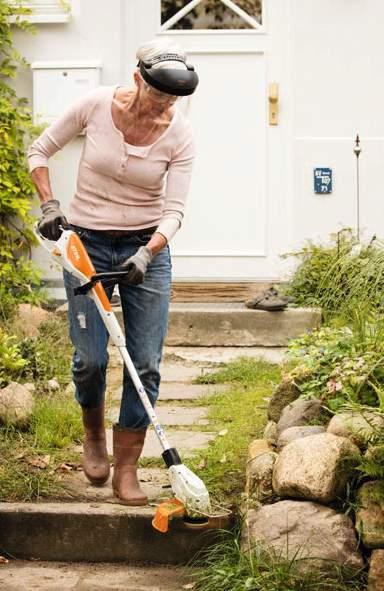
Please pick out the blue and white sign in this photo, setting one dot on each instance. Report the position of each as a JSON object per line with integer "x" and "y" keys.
{"x": 322, "y": 180}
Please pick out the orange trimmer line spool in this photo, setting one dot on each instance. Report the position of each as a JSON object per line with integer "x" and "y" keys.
{"x": 165, "y": 511}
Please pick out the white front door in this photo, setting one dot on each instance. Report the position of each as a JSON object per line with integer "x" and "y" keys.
{"x": 232, "y": 228}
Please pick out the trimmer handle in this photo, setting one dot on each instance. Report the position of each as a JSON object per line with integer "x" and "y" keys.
{"x": 107, "y": 278}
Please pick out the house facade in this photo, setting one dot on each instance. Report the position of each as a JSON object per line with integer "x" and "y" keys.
{"x": 285, "y": 87}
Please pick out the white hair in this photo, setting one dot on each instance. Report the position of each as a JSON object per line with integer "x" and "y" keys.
{"x": 159, "y": 46}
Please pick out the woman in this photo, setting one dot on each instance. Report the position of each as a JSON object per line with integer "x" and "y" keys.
{"x": 132, "y": 183}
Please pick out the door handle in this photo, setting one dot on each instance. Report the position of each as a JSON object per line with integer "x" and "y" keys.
{"x": 273, "y": 98}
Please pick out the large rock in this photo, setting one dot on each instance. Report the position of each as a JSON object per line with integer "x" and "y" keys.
{"x": 315, "y": 468}
{"x": 370, "y": 514}
{"x": 294, "y": 433}
{"x": 299, "y": 530}
{"x": 257, "y": 447}
{"x": 358, "y": 427}
{"x": 270, "y": 433}
{"x": 259, "y": 476}
{"x": 16, "y": 404}
{"x": 376, "y": 571}
{"x": 285, "y": 393}
{"x": 300, "y": 412}
{"x": 29, "y": 319}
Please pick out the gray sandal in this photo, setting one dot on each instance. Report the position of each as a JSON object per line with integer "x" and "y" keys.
{"x": 268, "y": 300}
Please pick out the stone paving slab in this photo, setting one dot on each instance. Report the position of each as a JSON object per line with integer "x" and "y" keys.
{"x": 176, "y": 391}
{"x": 180, "y": 391}
{"x": 186, "y": 442}
{"x": 172, "y": 372}
{"x": 216, "y": 355}
{"x": 19, "y": 575}
{"x": 171, "y": 415}
{"x": 154, "y": 481}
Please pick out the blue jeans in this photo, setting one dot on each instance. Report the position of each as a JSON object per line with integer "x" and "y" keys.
{"x": 145, "y": 313}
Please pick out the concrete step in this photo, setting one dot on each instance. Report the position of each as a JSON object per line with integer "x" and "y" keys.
{"x": 232, "y": 325}
{"x": 98, "y": 532}
{"x": 19, "y": 575}
{"x": 235, "y": 325}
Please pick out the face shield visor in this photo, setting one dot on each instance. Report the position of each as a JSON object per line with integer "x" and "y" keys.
{"x": 170, "y": 81}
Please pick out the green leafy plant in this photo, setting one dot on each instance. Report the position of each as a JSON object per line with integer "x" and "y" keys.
{"x": 48, "y": 355}
{"x": 18, "y": 276}
{"x": 336, "y": 366}
{"x": 12, "y": 362}
{"x": 36, "y": 359}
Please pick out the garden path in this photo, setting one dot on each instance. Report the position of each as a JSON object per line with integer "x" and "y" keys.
{"x": 181, "y": 409}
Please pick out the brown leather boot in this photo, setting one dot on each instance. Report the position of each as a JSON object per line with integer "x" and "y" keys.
{"x": 95, "y": 459}
{"x": 127, "y": 447}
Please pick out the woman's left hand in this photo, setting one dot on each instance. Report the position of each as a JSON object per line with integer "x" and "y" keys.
{"x": 136, "y": 266}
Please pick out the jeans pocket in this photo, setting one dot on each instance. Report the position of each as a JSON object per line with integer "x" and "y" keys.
{"x": 143, "y": 239}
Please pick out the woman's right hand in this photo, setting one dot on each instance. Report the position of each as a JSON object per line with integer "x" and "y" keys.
{"x": 53, "y": 221}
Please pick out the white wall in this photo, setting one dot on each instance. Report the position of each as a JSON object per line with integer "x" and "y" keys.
{"x": 338, "y": 88}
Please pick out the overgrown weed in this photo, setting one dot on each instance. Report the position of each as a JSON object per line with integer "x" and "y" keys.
{"x": 228, "y": 566}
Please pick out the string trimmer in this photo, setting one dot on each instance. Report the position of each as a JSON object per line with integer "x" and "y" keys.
{"x": 192, "y": 498}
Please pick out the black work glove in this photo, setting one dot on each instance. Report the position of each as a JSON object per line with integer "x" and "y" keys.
{"x": 136, "y": 267}
{"x": 53, "y": 218}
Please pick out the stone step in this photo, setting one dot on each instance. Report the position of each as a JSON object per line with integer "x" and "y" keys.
{"x": 232, "y": 325}
{"x": 20, "y": 575}
{"x": 98, "y": 532}
{"x": 235, "y": 325}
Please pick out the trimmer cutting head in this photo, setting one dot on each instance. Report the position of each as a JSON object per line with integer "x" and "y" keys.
{"x": 191, "y": 491}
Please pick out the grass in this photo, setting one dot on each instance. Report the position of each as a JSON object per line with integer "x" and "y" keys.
{"x": 34, "y": 459}
{"x": 226, "y": 567}
{"x": 238, "y": 415}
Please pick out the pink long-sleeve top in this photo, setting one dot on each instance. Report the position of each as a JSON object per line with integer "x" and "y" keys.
{"x": 121, "y": 186}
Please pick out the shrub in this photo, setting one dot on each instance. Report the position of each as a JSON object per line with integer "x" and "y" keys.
{"x": 338, "y": 276}
{"x": 17, "y": 274}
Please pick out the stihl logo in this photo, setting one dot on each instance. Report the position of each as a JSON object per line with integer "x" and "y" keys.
{"x": 75, "y": 252}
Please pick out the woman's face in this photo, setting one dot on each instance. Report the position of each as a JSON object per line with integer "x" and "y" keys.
{"x": 154, "y": 100}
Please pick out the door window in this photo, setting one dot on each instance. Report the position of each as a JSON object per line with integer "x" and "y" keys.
{"x": 211, "y": 14}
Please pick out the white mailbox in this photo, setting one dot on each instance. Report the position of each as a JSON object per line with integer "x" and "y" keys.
{"x": 58, "y": 84}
